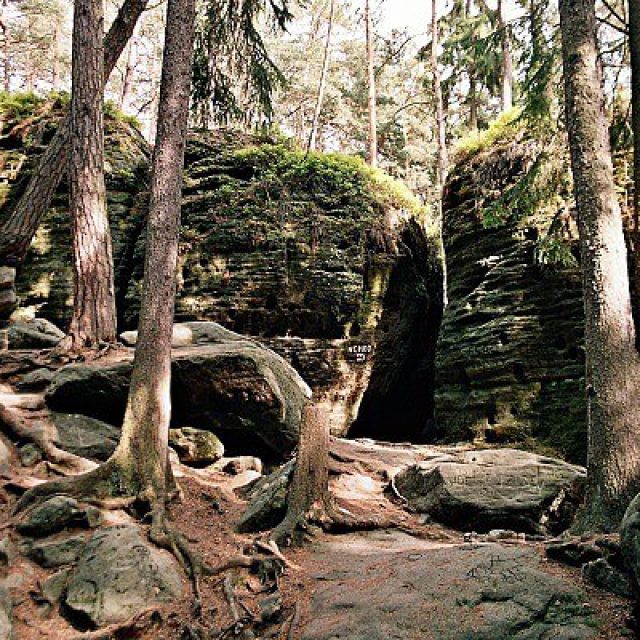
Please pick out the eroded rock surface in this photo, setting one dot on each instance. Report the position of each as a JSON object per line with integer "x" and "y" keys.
{"x": 56, "y": 514}
{"x": 84, "y": 436}
{"x": 386, "y": 585}
{"x": 119, "y": 574}
{"x": 195, "y": 446}
{"x": 495, "y": 488}
{"x": 510, "y": 357}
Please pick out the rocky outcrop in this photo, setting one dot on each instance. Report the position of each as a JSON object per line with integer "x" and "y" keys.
{"x": 630, "y": 545}
{"x": 195, "y": 446}
{"x": 318, "y": 254}
{"x": 238, "y": 389}
{"x": 33, "y": 334}
{"x": 118, "y": 575}
{"x": 84, "y": 436}
{"x": 494, "y": 488}
{"x": 8, "y": 297}
{"x": 57, "y": 514}
{"x": 510, "y": 357}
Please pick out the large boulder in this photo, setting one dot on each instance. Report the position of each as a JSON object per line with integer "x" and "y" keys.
{"x": 510, "y": 356}
{"x": 8, "y": 297}
{"x": 44, "y": 282}
{"x": 195, "y": 446}
{"x": 33, "y": 334}
{"x": 495, "y": 488}
{"x": 242, "y": 391}
{"x": 119, "y": 574}
{"x": 321, "y": 255}
{"x": 56, "y": 514}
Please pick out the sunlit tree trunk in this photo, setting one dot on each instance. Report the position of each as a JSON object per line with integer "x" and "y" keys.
{"x": 371, "y": 78}
{"x": 507, "y": 60}
{"x": 127, "y": 79}
{"x": 94, "y": 309}
{"x": 443, "y": 156}
{"x": 142, "y": 450}
{"x": 18, "y": 230}
{"x": 613, "y": 365}
{"x": 311, "y": 146}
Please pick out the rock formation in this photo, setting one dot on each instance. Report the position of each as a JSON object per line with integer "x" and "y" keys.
{"x": 510, "y": 356}
{"x": 324, "y": 260}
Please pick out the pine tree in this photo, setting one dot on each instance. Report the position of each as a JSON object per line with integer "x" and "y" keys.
{"x": 94, "y": 310}
{"x": 613, "y": 364}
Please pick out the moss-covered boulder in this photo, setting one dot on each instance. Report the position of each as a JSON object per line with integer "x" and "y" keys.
{"x": 326, "y": 259}
{"x": 510, "y": 358}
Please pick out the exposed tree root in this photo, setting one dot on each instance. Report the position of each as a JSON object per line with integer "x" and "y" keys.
{"x": 295, "y": 618}
{"x": 239, "y": 627}
{"x": 39, "y": 433}
{"x": 130, "y": 628}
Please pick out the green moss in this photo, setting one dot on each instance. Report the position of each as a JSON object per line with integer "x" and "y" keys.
{"x": 503, "y": 127}
{"x": 113, "y": 111}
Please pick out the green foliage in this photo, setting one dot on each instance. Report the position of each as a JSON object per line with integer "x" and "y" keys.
{"x": 111, "y": 110}
{"x": 233, "y": 74}
{"x": 335, "y": 181}
{"x": 541, "y": 62}
{"x": 19, "y": 105}
{"x": 554, "y": 250}
{"x": 503, "y": 127}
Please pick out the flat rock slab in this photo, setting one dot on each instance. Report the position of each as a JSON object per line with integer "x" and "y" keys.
{"x": 494, "y": 488}
{"x": 120, "y": 574}
{"x": 387, "y": 585}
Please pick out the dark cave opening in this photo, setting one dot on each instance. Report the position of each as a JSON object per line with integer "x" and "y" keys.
{"x": 398, "y": 404}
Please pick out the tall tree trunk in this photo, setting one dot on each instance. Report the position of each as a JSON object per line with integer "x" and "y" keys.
{"x": 612, "y": 363}
{"x": 143, "y": 445}
{"x": 472, "y": 98}
{"x": 507, "y": 60}
{"x": 634, "y": 234}
{"x": 6, "y": 48}
{"x": 94, "y": 309}
{"x": 18, "y": 230}
{"x": 311, "y": 146}
{"x": 443, "y": 155}
{"x": 138, "y": 468}
{"x": 127, "y": 80}
{"x": 371, "y": 76}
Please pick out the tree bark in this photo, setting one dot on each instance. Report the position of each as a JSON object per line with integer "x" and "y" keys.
{"x": 18, "y": 230}
{"x": 94, "y": 309}
{"x": 443, "y": 156}
{"x": 634, "y": 231}
{"x": 612, "y": 362}
{"x": 371, "y": 77}
{"x": 507, "y": 60}
{"x": 142, "y": 450}
{"x": 311, "y": 146}
{"x": 309, "y": 488}
{"x": 127, "y": 79}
